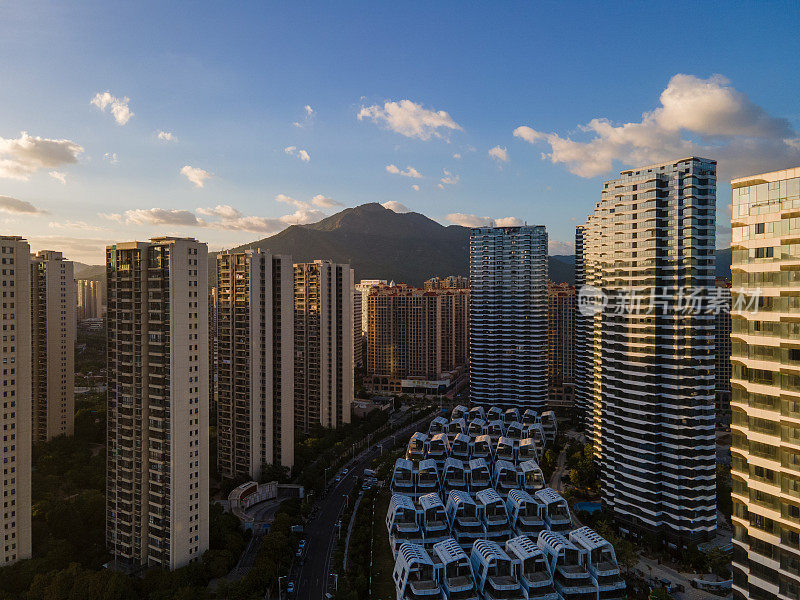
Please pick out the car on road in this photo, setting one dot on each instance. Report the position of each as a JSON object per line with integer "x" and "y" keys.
{"x": 344, "y": 472}
{"x": 302, "y": 544}
{"x": 290, "y": 587}
{"x": 338, "y": 478}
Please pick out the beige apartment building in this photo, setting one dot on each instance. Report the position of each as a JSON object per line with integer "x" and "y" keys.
{"x": 255, "y": 362}
{"x": 323, "y": 344}
{"x": 358, "y": 334}
{"x": 90, "y": 299}
{"x": 561, "y": 344}
{"x": 53, "y": 297}
{"x": 765, "y": 386}
{"x": 157, "y": 481}
{"x": 417, "y": 340}
{"x": 452, "y": 282}
{"x": 15, "y": 282}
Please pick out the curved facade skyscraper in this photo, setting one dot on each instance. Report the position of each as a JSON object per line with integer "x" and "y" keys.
{"x": 508, "y": 316}
{"x": 646, "y": 375}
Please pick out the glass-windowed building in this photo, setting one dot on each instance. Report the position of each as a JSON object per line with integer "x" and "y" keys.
{"x": 765, "y": 385}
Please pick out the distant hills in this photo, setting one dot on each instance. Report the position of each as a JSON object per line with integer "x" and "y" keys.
{"x": 382, "y": 244}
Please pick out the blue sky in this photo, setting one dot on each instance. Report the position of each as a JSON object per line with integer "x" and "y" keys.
{"x": 438, "y": 85}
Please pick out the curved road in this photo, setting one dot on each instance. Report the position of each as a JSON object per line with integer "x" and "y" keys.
{"x": 311, "y": 580}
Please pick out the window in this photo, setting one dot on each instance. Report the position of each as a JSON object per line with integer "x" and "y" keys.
{"x": 759, "y": 228}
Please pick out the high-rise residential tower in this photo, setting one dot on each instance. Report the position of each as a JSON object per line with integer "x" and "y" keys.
{"x": 90, "y": 299}
{"x": 722, "y": 361}
{"x": 358, "y": 334}
{"x": 323, "y": 344}
{"x": 508, "y": 316}
{"x": 451, "y": 282}
{"x": 417, "y": 340}
{"x": 648, "y": 250}
{"x": 561, "y": 344}
{"x": 15, "y": 518}
{"x": 157, "y": 480}
{"x": 364, "y": 286}
{"x": 583, "y": 350}
{"x": 765, "y": 385}
{"x": 53, "y": 299}
{"x": 255, "y": 362}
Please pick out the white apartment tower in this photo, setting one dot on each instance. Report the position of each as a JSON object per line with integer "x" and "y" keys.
{"x": 15, "y": 283}
{"x": 647, "y": 378}
{"x": 508, "y": 316}
{"x": 157, "y": 478}
{"x": 323, "y": 344}
{"x": 53, "y": 299}
{"x": 255, "y": 362}
{"x": 765, "y": 386}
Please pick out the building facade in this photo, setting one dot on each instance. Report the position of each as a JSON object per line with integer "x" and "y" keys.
{"x": 15, "y": 518}
{"x": 358, "y": 334}
{"x": 255, "y": 365}
{"x": 323, "y": 344}
{"x": 765, "y": 403}
{"x": 157, "y": 480}
{"x": 53, "y": 322}
{"x": 364, "y": 287}
{"x": 508, "y": 316}
{"x": 561, "y": 344}
{"x": 649, "y": 384}
{"x": 583, "y": 350}
{"x": 452, "y": 282}
{"x": 417, "y": 340}
{"x": 722, "y": 362}
{"x": 90, "y": 299}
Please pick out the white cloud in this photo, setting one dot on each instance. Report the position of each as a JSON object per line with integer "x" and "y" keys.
{"x": 21, "y": 157}
{"x": 499, "y": 154}
{"x": 196, "y": 175}
{"x": 468, "y": 220}
{"x": 457, "y": 156}
{"x": 301, "y": 154}
{"x": 323, "y": 202}
{"x": 395, "y": 206}
{"x": 13, "y": 205}
{"x": 119, "y": 106}
{"x": 224, "y": 211}
{"x": 558, "y": 247}
{"x": 448, "y": 179}
{"x": 415, "y": 187}
{"x": 111, "y": 157}
{"x": 308, "y": 117}
{"x": 410, "y": 119}
{"x": 705, "y": 117}
{"x": 80, "y": 225}
{"x": 508, "y": 222}
{"x": 162, "y": 216}
{"x": 167, "y": 136}
{"x": 409, "y": 172}
{"x": 59, "y": 176}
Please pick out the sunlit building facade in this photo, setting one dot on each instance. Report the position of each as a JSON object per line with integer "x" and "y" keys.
{"x": 255, "y": 363}
{"x": 765, "y": 384}
{"x": 648, "y": 383}
{"x": 157, "y": 479}
{"x": 53, "y": 299}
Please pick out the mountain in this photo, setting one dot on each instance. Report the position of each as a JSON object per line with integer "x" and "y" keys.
{"x": 377, "y": 242}
{"x": 92, "y": 272}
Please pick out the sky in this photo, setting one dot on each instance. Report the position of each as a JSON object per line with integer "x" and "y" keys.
{"x": 231, "y": 121}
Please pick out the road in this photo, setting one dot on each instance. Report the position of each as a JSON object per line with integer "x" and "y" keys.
{"x": 321, "y": 531}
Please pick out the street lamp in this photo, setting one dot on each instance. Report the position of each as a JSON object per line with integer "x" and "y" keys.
{"x": 326, "y": 476}
{"x": 279, "y": 585}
